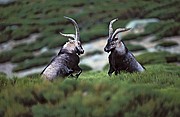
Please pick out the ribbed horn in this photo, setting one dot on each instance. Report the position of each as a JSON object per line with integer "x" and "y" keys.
{"x": 77, "y": 36}
{"x": 110, "y": 26}
{"x": 118, "y": 31}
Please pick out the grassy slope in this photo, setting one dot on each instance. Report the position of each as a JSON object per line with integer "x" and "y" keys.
{"x": 155, "y": 92}
{"x": 24, "y": 17}
{"x": 152, "y": 93}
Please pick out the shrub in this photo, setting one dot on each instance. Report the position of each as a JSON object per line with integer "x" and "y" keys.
{"x": 153, "y": 28}
{"x": 94, "y": 33}
{"x": 135, "y": 47}
{"x": 4, "y": 38}
{"x": 35, "y": 46}
{"x": 164, "y": 14}
{"x": 20, "y": 46}
{"x": 167, "y": 44}
{"x": 21, "y": 57}
{"x": 47, "y": 54}
{"x": 157, "y": 58}
{"x": 172, "y": 58}
{"x": 130, "y": 37}
{"x": 57, "y": 41}
{"x": 168, "y": 29}
{"x": 85, "y": 67}
{"x": 31, "y": 63}
{"x": 23, "y": 32}
{"x": 7, "y": 55}
{"x": 3, "y": 81}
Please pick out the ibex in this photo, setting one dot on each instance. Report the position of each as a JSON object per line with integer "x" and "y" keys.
{"x": 120, "y": 59}
{"x": 67, "y": 60}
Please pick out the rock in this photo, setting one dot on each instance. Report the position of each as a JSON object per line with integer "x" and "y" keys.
{"x": 4, "y": 2}
{"x": 138, "y": 25}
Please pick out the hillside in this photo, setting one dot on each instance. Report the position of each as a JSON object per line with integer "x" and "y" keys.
{"x": 29, "y": 30}
{"x": 29, "y": 38}
{"x": 154, "y": 93}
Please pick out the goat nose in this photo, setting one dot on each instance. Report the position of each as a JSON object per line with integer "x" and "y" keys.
{"x": 105, "y": 49}
{"x": 82, "y": 51}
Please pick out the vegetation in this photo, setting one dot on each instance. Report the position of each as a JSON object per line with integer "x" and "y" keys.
{"x": 7, "y": 55}
{"x": 163, "y": 29}
{"x": 132, "y": 37}
{"x": 134, "y": 48}
{"x": 167, "y": 44}
{"x": 31, "y": 63}
{"x": 21, "y": 57}
{"x": 85, "y": 67}
{"x": 22, "y": 18}
{"x": 154, "y": 92}
{"x": 158, "y": 57}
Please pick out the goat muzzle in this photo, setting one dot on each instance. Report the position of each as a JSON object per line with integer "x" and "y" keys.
{"x": 79, "y": 51}
{"x": 106, "y": 50}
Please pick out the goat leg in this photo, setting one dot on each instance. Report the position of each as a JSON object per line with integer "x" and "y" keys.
{"x": 64, "y": 71}
{"x": 79, "y": 71}
{"x": 117, "y": 72}
{"x": 70, "y": 71}
{"x": 111, "y": 70}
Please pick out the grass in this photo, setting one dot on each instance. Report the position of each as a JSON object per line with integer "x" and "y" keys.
{"x": 22, "y": 18}
{"x": 154, "y": 92}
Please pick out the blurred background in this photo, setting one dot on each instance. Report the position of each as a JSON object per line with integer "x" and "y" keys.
{"x": 29, "y": 31}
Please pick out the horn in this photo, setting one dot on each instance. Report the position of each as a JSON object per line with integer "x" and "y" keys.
{"x": 71, "y": 36}
{"x": 77, "y": 36}
{"x": 110, "y": 26}
{"x": 118, "y": 31}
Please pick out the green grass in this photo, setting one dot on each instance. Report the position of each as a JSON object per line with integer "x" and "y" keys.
{"x": 22, "y": 18}
{"x": 154, "y": 92}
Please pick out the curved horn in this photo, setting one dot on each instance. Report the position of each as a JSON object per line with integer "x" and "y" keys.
{"x": 71, "y": 36}
{"x": 118, "y": 31}
{"x": 110, "y": 26}
{"x": 77, "y": 36}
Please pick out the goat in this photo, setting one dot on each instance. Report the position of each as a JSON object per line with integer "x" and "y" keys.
{"x": 67, "y": 60}
{"x": 120, "y": 58}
